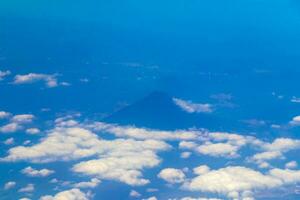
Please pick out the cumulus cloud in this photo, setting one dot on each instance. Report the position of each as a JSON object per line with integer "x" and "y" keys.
{"x": 119, "y": 159}
{"x": 94, "y": 182}
{"x": 9, "y": 185}
{"x": 72, "y": 194}
{"x": 239, "y": 182}
{"x": 172, "y": 175}
{"x": 29, "y": 171}
{"x": 3, "y": 74}
{"x": 50, "y": 80}
{"x": 190, "y": 107}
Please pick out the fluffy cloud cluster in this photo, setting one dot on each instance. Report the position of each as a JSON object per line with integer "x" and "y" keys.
{"x": 191, "y": 107}
{"x": 29, "y": 171}
{"x": 172, "y": 175}
{"x": 238, "y": 182}
{"x": 119, "y": 159}
{"x": 72, "y": 194}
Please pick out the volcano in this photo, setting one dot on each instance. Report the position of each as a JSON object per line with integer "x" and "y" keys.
{"x": 158, "y": 110}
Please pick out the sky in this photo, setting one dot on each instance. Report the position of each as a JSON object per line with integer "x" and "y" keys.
{"x": 149, "y": 100}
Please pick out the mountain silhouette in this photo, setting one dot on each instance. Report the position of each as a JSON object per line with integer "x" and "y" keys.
{"x": 158, "y": 110}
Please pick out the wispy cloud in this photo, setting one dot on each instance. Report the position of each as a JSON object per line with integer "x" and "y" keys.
{"x": 191, "y": 107}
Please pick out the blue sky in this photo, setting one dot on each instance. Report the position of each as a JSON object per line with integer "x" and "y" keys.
{"x": 149, "y": 100}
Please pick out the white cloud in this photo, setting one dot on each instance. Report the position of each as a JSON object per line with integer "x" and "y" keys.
{"x": 151, "y": 198}
{"x": 135, "y": 194}
{"x": 239, "y": 182}
{"x": 291, "y": 165}
{"x": 3, "y": 74}
{"x": 295, "y": 121}
{"x": 49, "y": 79}
{"x": 218, "y": 149}
{"x": 4, "y": 114}
{"x": 9, "y": 185}
{"x": 22, "y": 119}
{"x": 10, "y": 128}
{"x": 9, "y": 141}
{"x": 29, "y": 171}
{"x": 119, "y": 159}
{"x": 185, "y": 154}
{"x": 94, "y": 182}
{"x": 33, "y": 131}
{"x": 28, "y": 188}
{"x": 202, "y": 169}
{"x": 191, "y": 198}
{"x": 274, "y": 150}
{"x": 295, "y": 100}
{"x": 190, "y": 107}
{"x": 144, "y": 133}
{"x": 219, "y": 144}
{"x": 172, "y": 175}
{"x": 72, "y": 194}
